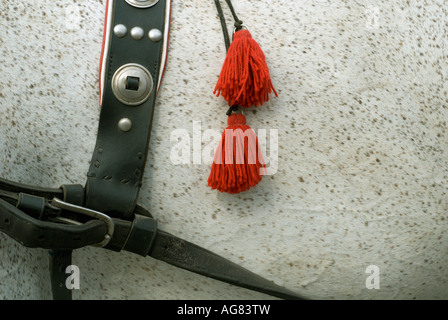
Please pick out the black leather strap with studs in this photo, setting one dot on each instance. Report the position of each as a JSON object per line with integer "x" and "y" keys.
{"x": 135, "y": 44}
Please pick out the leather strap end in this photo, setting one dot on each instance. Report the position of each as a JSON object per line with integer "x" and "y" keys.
{"x": 142, "y": 235}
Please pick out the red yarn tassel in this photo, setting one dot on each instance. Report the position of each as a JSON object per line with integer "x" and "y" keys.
{"x": 238, "y": 162}
{"x": 244, "y": 79}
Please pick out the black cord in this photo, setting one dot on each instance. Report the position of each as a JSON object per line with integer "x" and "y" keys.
{"x": 225, "y": 31}
{"x": 238, "y": 22}
{"x": 223, "y": 24}
{"x": 232, "y": 109}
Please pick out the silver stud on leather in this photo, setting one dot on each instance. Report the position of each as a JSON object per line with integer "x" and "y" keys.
{"x": 137, "y": 33}
{"x": 142, "y": 3}
{"x": 120, "y": 30}
{"x": 125, "y": 124}
{"x": 155, "y": 35}
{"x": 132, "y": 84}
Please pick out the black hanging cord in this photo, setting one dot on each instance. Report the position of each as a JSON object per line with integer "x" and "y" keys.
{"x": 238, "y": 22}
{"x": 225, "y": 31}
{"x": 232, "y": 109}
{"x": 223, "y": 24}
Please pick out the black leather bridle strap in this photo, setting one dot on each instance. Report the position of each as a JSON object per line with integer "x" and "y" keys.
{"x": 191, "y": 257}
{"x": 59, "y": 261}
{"x": 34, "y": 233}
{"x": 140, "y": 236}
{"x": 118, "y": 161}
{"x": 15, "y": 187}
{"x": 148, "y": 240}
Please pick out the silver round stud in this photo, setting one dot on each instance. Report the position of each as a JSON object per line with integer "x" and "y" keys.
{"x": 125, "y": 124}
{"x": 142, "y": 3}
{"x": 137, "y": 33}
{"x": 132, "y": 84}
{"x": 120, "y": 30}
{"x": 155, "y": 35}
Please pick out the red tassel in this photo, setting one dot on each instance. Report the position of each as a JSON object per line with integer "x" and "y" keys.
{"x": 244, "y": 78}
{"x": 238, "y": 162}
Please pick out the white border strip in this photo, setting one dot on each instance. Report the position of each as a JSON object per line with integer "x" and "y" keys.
{"x": 110, "y": 5}
{"x": 166, "y": 34}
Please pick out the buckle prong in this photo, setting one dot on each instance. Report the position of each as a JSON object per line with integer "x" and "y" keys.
{"x": 91, "y": 213}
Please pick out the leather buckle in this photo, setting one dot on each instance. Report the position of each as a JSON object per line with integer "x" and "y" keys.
{"x": 88, "y": 212}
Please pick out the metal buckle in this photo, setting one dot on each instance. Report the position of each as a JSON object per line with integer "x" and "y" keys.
{"x": 243, "y": 27}
{"x": 88, "y": 212}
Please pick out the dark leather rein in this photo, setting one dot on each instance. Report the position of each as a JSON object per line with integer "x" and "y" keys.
{"x": 104, "y": 212}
